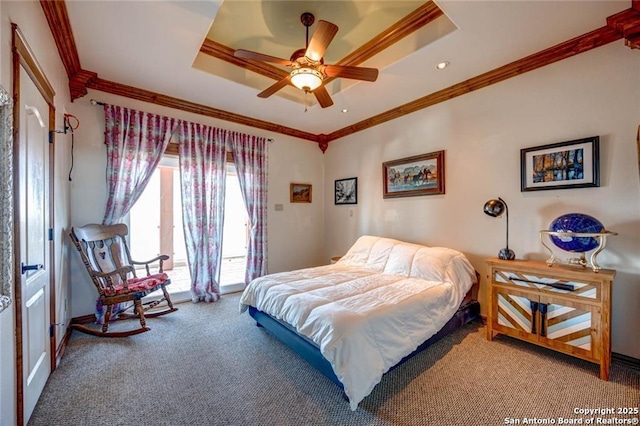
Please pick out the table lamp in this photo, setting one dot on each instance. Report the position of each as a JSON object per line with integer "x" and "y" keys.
{"x": 495, "y": 208}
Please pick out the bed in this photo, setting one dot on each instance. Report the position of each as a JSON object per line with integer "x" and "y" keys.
{"x": 354, "y": 320}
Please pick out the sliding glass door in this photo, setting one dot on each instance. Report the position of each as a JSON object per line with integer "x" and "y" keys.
{"x": 156, "y": 228}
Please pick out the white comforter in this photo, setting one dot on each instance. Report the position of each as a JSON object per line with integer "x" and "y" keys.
{"x": 369, "y": 310}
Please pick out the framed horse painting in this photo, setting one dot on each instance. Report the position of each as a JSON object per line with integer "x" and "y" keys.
{"x": 411, "y": 176}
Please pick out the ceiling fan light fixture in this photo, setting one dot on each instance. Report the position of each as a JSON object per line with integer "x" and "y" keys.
{"x": 308, "y": 69}
{"x": 305, "y": 78}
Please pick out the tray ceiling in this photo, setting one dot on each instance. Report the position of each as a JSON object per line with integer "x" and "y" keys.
{"x": 152, "y": 51}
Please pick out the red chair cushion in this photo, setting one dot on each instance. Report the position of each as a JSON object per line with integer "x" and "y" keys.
{"x": 138, "y": 284}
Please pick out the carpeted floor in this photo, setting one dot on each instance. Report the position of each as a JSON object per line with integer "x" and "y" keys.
{"x": 207, "y": 364}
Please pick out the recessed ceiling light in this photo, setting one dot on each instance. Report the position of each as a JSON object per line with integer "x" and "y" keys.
{"x": 345, "y": 110}
{"x": 442, "y": 65}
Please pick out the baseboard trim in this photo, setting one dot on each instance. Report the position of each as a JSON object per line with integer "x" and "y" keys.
{"x": 85, "y": 319}
{"x": 63, "y": 346}
{"x": 625, "y": 360}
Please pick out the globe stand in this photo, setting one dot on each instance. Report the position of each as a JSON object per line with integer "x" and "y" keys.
{"x": 601, "y": 237}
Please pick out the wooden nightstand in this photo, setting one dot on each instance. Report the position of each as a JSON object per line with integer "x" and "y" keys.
{"x": 564, "y": 308}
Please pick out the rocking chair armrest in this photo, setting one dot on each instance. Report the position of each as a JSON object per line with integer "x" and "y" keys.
{"x": 146, "y": 264}
{"x": 162, "y": 257}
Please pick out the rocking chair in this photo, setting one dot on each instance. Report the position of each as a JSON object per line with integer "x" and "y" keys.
{"x": 106, "y": 256}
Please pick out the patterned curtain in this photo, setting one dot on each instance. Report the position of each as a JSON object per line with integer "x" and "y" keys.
{"x": 135, "y": 142}
{"x": 250, "y": 158}
{"x": 203, "y": 174}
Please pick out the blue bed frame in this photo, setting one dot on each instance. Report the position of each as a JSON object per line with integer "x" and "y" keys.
{"x": 311, "y": 353}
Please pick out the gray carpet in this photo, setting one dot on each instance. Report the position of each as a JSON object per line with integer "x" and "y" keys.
{"x": 207, "y": 364}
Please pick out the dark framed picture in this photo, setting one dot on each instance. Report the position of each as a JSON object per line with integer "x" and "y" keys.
{"x": 563, "y": 165}
{"x": 417, "y": 175}
{"x": 300, "y": 193}
{"x": 346, "y": 191}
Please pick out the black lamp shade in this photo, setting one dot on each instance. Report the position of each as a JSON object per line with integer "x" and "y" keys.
{"x": 494, "y": 208}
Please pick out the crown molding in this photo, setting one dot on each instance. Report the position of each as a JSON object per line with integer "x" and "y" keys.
{"x": 60, "y": 26}
{"x": 625, "y": 24}
{"x": 573, "y": 47}
{"x": 417, "y": 19}
{"x": 220, "y": 51}
{"x": 188, "y": 106}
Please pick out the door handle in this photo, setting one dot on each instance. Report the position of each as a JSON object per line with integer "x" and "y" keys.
{"x": 34, "y": 267}
{"x": 534, "y": 313}
{"x": 543, "y": 319}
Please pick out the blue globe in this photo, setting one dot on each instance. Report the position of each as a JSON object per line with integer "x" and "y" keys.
{"x": 579, "y": 223}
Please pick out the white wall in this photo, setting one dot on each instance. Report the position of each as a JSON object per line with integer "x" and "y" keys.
{"x": 595, "y": 93}
{"x": 295, "y": 235}
{"x": 31, "y": 21}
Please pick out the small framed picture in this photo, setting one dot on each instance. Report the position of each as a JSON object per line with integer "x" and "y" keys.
{"x": 300, "y": 193}
{"x": 418, "y": 175}
{"x": 563, "y": 165}
{"x": 346, "y": 191}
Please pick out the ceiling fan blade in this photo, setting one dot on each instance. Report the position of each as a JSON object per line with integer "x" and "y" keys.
{"x": 356, "y": 73}
{"x": 274, "y": 88}
{"x": 247, "y": 54}
{"x": 322, "y": 36}
{"x": 323, "y": 97}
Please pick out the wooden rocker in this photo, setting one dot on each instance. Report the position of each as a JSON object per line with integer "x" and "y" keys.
{"x": 106, "y": 256}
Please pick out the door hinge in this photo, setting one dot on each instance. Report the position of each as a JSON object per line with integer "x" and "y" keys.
{"x": 50, "y": 234}
{"x": 52, "y": 135}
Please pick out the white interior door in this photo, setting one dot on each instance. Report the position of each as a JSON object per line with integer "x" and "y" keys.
{"x": 34, "y": 241}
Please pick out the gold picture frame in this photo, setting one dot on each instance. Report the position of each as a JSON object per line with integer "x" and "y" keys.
{"x": 300, "y": 192}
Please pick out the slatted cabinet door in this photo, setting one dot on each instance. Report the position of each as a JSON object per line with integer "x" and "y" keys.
{"x": 513, "y": 314}
{"x": 572, "y": 327}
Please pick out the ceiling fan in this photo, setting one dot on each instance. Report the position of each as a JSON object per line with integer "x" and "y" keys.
{"x": 308, "y": 70}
